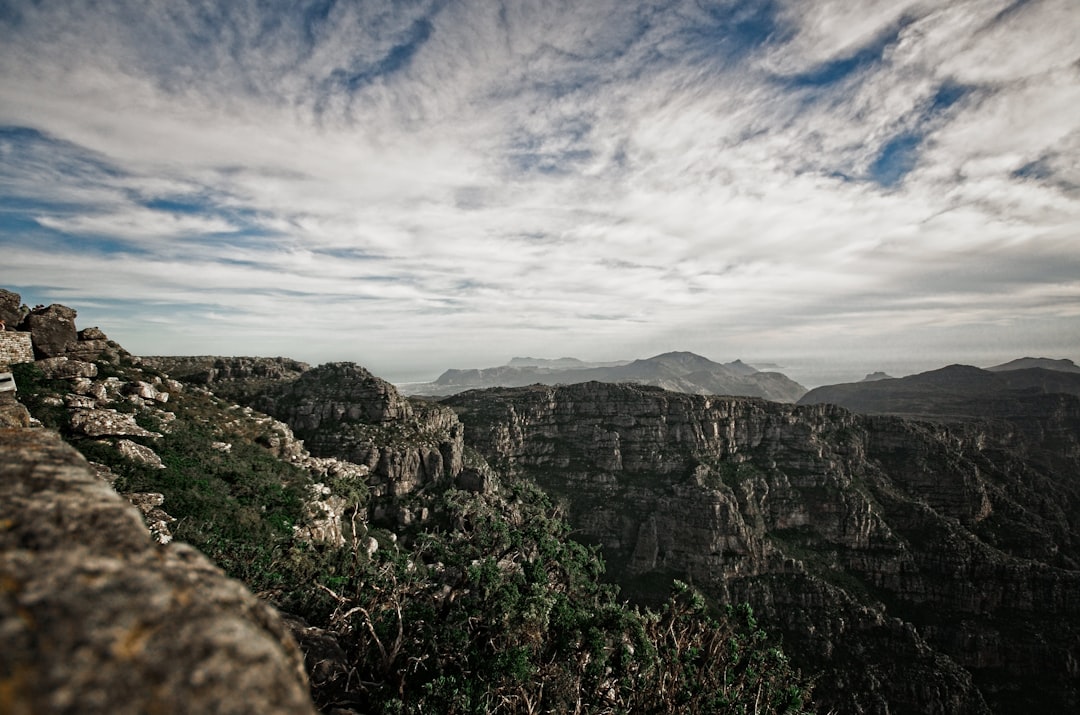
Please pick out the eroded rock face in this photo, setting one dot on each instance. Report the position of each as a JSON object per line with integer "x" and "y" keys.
{"x": 64, "y": 368}
{"x": 10, "y": 304}
{"x": 107, "y": 423}
{"x": 342, "y": 410}
{"x": 52, "y": 330}
{"x": 96, "y": 618}
{"x": 886, "y": 551}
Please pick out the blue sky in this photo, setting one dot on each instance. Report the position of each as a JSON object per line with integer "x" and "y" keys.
{"x": 428, "y": 184}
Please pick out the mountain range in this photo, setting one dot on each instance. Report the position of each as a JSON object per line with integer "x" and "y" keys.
{"x": 675, "y": 371}
{"x": 955, "y": 392}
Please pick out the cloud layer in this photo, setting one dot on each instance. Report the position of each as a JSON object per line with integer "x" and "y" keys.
{"x": 430, "y": 184}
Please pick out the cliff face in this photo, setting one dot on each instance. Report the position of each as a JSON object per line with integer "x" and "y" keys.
{"x": 98, "y": 618}
{"x": 916, "y": 568}
{"x": 341, "y": 410}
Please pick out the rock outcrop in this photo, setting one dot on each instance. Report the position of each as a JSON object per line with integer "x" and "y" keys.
{"x": 917, "y": 568}
{"x": 97, "y": 618}
{"x": 52, "y": 329}
{"x": 239, "y": 379}
{"x": 342, "y": 410}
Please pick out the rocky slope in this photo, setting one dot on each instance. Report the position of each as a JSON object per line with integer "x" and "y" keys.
{"x": 678, "y": 371}
{"x": 917, "y": 568}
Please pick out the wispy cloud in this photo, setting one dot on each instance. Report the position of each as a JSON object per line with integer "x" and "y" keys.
{"x": 414, "y": 185}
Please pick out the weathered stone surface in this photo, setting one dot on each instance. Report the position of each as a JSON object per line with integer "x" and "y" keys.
{"x": 65, "y": 368}
{"x": 52, "y": 330}
{"x": 342, "y": 410}
{"x": 10, "y": 304}
{"x": 107, "y": 423}
{"x": 12, "y": 413}
{"x": 157, "y": 519}
{"x": 145, "y": 391}
{"x": 96, "y": 619}
{"x": 336, "y": 393}
{"x": 138, "y": 453}
{"x": 236, "y": 378}
{"x": 91, "y": 334}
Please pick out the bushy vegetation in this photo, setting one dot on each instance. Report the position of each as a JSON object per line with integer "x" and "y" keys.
{"x": 490, "y": 607}
{"x": 499, "y": 611}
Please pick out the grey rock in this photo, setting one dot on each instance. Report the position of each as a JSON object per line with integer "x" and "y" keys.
{"x": 52, "y": 330}
{"x": 107, "y": 423}
{"x": 13, "y": 414}
{"x": 97, "y": 619}
{"x": 65, "y": 368}
{"x": 139, "y": 453}
{"x": 10, "y": 304}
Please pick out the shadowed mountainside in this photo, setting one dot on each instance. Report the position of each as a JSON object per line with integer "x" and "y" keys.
{"x": 916, "y": 568}
{"x": 956, "y": 392}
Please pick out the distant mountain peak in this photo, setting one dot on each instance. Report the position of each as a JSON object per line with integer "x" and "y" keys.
{"x": 1024, "y": 363}
{"x": 879, "y": 375}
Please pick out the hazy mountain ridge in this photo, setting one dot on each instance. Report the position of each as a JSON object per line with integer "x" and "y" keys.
{"x": 676, "y": 371}
{"x": 951, "y": 393}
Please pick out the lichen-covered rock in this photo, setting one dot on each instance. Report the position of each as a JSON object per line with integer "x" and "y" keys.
{"x": 157, "y": 519}
{"x": 64, "y": 368}
{"x": 138, "y": 453}
{"x": 107, "y": 423}
{"x": 12, "y": 412}
{"x": 342, "y": 410}
{"x": 10, "y": 308}
{"x": 97, "y": 619}
{"x": 146, "y": 391}
{"x": 52, "y": 330}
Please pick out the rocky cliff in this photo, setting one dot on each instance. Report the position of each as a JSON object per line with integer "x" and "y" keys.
{"x": 341, "y": 410}
{"x": 916, "y": 568}
{"x": 96, "y": 617}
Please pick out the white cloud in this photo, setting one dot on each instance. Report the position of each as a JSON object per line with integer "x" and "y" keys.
{"x": 547, "y": 176}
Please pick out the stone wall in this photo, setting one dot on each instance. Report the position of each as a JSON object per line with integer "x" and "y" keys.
{"x": 15, "y": 347}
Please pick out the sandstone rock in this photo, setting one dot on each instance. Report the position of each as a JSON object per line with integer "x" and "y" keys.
{"x": 79, "y": 402}
{"x": 10, "y": 304}
{"x": 91, "y": 334}
{"x": 157, "y": 520}
{"x": 145, "y": 391}
{"x": 98, "y": 620}
{"x": 64, "y": 368}
{"x": 82, "y": 385}
{"x": 139, "y": 453}
{"x": 12, "y": 413}
{"x": 52, "y": 330}
{"x": 107, "y": 423}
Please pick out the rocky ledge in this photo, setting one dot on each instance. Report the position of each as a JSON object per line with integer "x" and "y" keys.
{"x": 95, "y": 617}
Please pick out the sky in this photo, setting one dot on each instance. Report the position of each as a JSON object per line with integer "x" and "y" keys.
{"x": 834, "y": 187}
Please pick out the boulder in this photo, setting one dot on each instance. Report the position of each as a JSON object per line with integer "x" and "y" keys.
{"x": 10, "y": 305}
{"x": 107, "y": 423}
{"x": 12, "y": 412}
{"x": 52, "y": 330}
{"x": 96, "y": 618}
{"x": 64, "y": 368}
{"x": 138, "y": 453}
